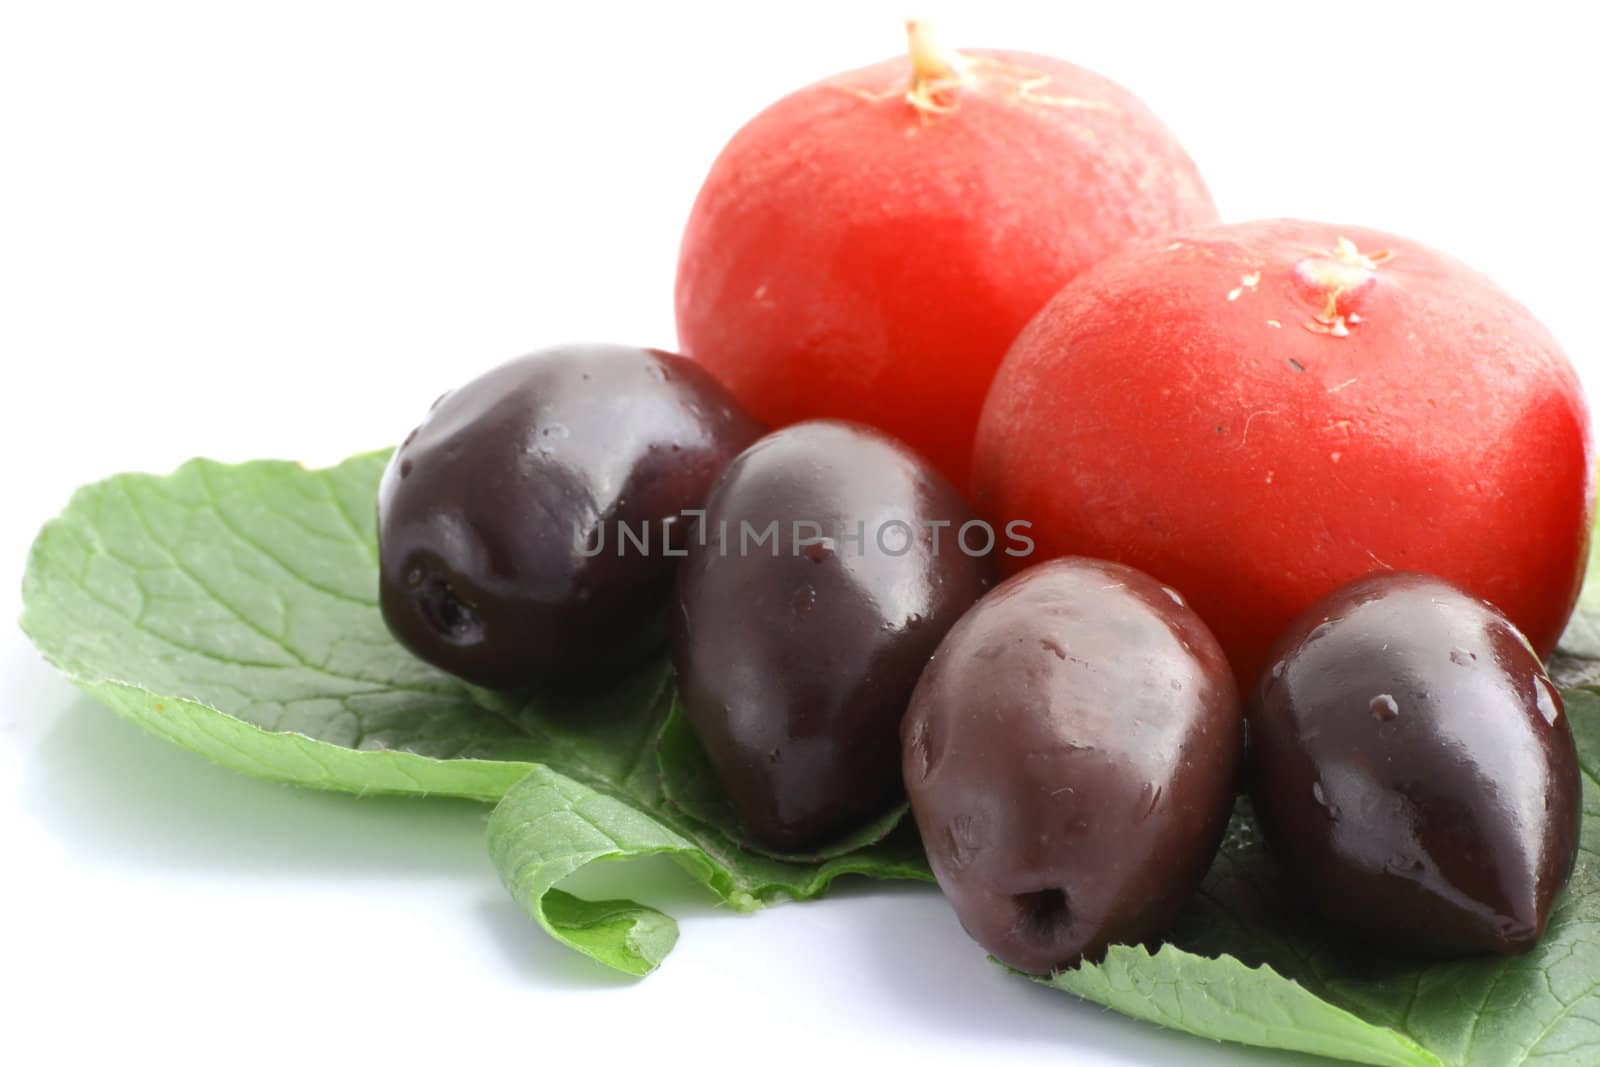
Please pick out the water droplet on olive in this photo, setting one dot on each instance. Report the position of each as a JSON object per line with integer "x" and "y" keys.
{"x": 1385, "y": 708}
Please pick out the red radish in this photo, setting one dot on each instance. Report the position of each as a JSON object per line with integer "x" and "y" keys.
{"x": 868, "y": 247}
{"x": 1259, "y": 413}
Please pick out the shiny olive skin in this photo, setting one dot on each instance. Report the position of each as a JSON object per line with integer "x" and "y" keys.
{"x": 1413, "y": 765}
{"x": 498, "y": 518}
{"x": 795, "y": 670}
{"x": 1070, "y": 754}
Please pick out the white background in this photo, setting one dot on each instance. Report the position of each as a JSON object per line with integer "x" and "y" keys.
{"x": 280, "y": 229}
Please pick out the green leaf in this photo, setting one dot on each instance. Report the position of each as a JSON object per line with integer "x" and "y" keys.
{"x": 551, "y": 823}
{"x": 1223, "y": 999}
{"x": 548, "y": 825}
{"x": 232, "y": 610}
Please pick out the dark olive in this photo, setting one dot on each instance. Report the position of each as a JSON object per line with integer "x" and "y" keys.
{"x": 1411, "y": 762}
{"x": 796, "y": 655}
{"x": 503, "y": 557}
{"x": 1070, "y": 754}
